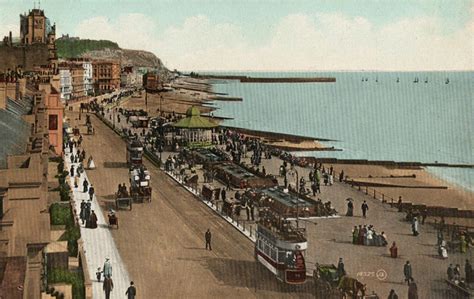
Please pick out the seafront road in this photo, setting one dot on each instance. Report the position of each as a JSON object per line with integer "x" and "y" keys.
{"x": 162, "y": 243}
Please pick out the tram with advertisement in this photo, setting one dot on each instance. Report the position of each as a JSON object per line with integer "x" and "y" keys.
{"x": 281, "y": 247}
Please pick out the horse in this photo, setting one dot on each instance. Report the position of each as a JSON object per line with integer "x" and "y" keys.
{"x": 351, "y": 287}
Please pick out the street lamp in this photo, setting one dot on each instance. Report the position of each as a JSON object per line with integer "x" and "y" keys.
{"x": 293, "y": 169}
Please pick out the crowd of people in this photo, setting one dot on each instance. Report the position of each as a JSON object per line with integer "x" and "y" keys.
{"x": 368, "y": 236}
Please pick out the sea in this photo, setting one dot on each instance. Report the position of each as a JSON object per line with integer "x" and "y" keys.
{"x": 369, "y": 115}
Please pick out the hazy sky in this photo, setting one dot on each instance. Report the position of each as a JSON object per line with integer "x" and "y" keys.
{"x": 273, "y": 34}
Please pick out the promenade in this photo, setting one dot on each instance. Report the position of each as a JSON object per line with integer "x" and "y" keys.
{"x": 98, "y": 243}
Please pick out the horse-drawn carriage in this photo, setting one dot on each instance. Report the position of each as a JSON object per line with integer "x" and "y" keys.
{"x": 329, "y": 283}
{"x": 113, "y": 220}
{"x": 140, "y": 190}
{"x": 123, "y": 200}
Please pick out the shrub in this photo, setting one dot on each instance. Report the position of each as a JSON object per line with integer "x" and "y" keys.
{"x": 60, "y": 214}
{"x": 72, "y": 234}
{"x": 76, "y": 279}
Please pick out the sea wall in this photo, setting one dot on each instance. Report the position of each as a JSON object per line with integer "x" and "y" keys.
{"x": 25, "y": 56}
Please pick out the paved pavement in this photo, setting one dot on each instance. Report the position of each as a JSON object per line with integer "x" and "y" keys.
{"x": 98, "y": 243}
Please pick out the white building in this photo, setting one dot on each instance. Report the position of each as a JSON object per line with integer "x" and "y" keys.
{"x": 88, "y": 78}
{"x": 65, "y": 84}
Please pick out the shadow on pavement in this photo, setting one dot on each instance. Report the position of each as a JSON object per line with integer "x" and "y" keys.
{"x": 115, "y": 165}
{"x": 249, "y": 274}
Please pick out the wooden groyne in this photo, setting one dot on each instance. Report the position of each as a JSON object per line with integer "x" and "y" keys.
{"x": 395, "y": 164}
{"x": 275, "y": 135}
{"x": 247, "y": 79}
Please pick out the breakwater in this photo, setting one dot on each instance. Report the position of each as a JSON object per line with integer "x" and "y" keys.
{"x": 248, "y": 79}
{"x": 395, "y": 164}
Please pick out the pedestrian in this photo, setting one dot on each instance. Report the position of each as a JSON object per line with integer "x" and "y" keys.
{"x": 85, "y": 184}
{"x": 350, "y": 208}
{"x": 72, "y": 158}
{"x": 394, "y": 251}
{"x": 71, "y": 171}
{"x": 341, "y": 176}
{"x": 340, "y": 268}
{"x": 223, "y": 194}
{"x": 93, "y": 220}
{"x": 208, "y": 237}
{"x": 392, "y": 294}
{"x": 450, "y": 272}
{"x": 468, "y": 272}
{"x": 107, "y": 268}
{"x": 414, "y": 226}
{"x": 355, "y": 235}
{"x": 87, "y": 213}
{"x": 131, "y": 291}
{"x": 76, "y": 181}
{"x": 108, "y": 286}
{"x": 399, "y": 204}
{"x": 457, "y": 272}
{"x": 412, "y": 289}
{"x": 82, "y": 214}
{"x": 91, "y": 192}
{"x": 365, "y": 208}
{"x": 98, "y": 274}
{"x": 407, "y": 271}
{"x": 463, "y": 244}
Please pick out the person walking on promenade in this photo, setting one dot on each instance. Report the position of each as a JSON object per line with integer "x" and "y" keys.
{"x": 341, "y": 176}
{"x": 340, "y": 268}
{"x": 87, "y": 213}
{"x": 82, "y": 213}
{"x": 450, "y": 272}
{"x": 71, "y": 171}
{"x": 85, "y": 184}
{"x": 463, "y": 244}
{"x": 350, "y": 208}
{"x": 394, "y": 251}
{"x": 457, "y": 272}
{"x": 408, "y": 272}
{"x": 412, "y": 289}
{"x": 93, "y": 220}
{"x": 468, "y": 272}
{"x": 91, "y": 192}
{"x": 131, "y": 291}
{"x": 414, "y": 226}
{"x": 392, "y": 294}
{"x": 98, "y": 274}
{"x": 365, "y": 208}
{"x": 208, "y": 237}
{"x": 223, "y": 194}
{"x": 107, "y": 268}
{"x": 76, "y": 181}
{"x": 355, "y": 235}
{"x": 108, "y": 286}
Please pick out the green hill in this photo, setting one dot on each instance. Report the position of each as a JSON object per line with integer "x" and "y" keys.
{"x": 72, "y": 48}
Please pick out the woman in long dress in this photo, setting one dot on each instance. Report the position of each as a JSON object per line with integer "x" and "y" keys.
{"x": 90, "y": 163}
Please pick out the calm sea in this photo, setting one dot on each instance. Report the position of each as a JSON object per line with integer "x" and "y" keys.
{"x": 378, "y": 119}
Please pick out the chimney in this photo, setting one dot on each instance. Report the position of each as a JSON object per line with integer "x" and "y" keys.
{"x": 10, "y": 39}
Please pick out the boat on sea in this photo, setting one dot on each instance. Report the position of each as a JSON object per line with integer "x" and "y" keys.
{"x": 416, "y": 80}
{"x": 398, "y": 80}
{"x": 447, "y": 81}
{"x": 426, "y": 80}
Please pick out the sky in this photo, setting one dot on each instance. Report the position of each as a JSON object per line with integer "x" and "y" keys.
{"x": 272, "y": 35}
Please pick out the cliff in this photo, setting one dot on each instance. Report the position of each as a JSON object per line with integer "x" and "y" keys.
{"x": 107, "y": 50}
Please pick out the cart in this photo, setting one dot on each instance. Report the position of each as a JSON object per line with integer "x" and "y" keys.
{"x": 123, "y": 201}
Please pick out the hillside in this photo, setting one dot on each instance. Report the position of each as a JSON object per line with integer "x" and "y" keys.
{"x": 107, "y": 50}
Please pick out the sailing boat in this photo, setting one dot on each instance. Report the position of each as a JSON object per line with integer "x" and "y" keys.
{"x": 398, "y": 79}
{"x": 447, "y": 81}
{"x": 426, "y": 80}
{"x": 376, "y": 80}
{"x": 366, "y": 79}
{"x": 416, "y": 80}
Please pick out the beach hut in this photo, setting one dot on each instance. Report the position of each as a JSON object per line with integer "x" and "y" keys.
{"x": 195, "y": 129}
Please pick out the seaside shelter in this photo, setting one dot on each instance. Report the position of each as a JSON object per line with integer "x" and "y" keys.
{"x": 196, "y": 130}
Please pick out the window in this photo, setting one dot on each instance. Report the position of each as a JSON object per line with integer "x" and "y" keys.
{"x": 53, "y": 122}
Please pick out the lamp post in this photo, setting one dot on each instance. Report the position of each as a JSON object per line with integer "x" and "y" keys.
{"x": 293, "y": 169}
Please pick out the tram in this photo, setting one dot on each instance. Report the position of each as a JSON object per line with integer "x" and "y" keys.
{"x": 134, "y": 152}
{"x": 280, "y": 247}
